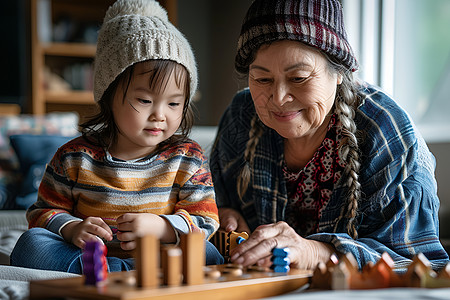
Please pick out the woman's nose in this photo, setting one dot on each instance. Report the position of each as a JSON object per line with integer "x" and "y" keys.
{"x": 281, "y": 94}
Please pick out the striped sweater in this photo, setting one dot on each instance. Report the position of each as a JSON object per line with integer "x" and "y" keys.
{"x": 83, "y": 180}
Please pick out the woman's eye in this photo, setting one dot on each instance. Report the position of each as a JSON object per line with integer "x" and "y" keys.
{"x": 298, "y": 79}
{"x": 263, "y": 80}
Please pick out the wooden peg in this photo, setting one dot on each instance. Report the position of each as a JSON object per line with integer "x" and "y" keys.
{"x": 378, "y": 276}
{"x": 212, "y": 272}
{"x": 322, "y": 278}
{"x": 445, "y": 272}
{"x": 193, "y": 248}
{"x": 340, "y": 278}
{"x": 171, "y": 265}
{"x": 349, "y": 262}
{"x": 232, "y": 269}
{"x": 348, "y": 269}
{"x": 419, "y": 266}
{"x": 147, "y": 261}
{"x": 219, "y": 240}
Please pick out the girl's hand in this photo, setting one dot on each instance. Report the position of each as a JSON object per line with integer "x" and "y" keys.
{"x": 231, "y": 220}
{"x": 91, "y": 228}
{"x": 304, "y": 254}
{"x": 133, "y": 225}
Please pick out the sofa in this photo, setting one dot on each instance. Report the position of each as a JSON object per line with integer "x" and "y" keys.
{"x": 27, "y": 143}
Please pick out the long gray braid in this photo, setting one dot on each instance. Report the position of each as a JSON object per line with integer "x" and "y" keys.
{"x": 244, "y": 176}
{"x": 347, "y": 101}
{"x": 348, "y": 153}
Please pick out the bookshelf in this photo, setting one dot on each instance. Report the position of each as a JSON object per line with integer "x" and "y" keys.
{"x": 63, "y": 35}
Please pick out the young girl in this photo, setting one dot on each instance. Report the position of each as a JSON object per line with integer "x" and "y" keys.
{"x": 133, "y": 171}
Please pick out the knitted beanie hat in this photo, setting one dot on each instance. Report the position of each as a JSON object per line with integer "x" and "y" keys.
{"x": 318, "y": 23}
{"x": 135, "y": 31}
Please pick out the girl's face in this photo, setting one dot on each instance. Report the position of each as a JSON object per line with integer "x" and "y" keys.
{"x": 145, "y": 118}
{"x": 292, "y": 88}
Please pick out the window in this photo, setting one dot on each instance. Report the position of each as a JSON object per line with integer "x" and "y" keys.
{"x": 404, "y": 47}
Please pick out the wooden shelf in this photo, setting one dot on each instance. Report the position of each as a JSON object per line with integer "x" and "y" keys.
{"x": 57, "y": 56}
{"x": 69, "y": 49}
{"x": 69, "y": 97}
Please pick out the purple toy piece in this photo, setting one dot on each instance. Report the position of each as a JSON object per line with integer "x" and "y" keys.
{"x": 94, "y": 262}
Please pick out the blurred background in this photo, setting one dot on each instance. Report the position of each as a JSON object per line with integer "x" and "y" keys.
{"x": 404, "y": 47}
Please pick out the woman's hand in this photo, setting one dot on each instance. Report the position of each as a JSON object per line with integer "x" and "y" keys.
{"x": 231, "y": 220}
{"x": 91, "y": 228}
{"x": 130, "y": 226}
{"x": 304, "y": 254}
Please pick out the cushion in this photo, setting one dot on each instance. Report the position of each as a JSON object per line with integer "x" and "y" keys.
{"x": 57, "y": 123}
{"x": 33, "y": 152}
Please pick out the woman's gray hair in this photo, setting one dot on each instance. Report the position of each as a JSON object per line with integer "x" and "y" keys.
{"x": 346, "y": 102}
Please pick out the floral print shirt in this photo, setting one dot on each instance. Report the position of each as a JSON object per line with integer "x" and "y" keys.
{"x": 310, "y": 189}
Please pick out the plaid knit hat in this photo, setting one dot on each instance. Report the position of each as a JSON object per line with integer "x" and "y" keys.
{"x": 318, "y": 23}
{"x": 135, "y": 31}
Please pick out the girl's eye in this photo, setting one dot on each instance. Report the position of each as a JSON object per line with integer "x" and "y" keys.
{"x": 174, "y": 104}
{"x": 144, "y": 101}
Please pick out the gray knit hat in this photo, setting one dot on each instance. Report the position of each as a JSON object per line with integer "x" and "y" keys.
{"x": 135, "y": 31}
{"x": 318, "y": 23}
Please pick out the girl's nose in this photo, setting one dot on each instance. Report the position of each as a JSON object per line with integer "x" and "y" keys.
{"x": 157, "y": 115}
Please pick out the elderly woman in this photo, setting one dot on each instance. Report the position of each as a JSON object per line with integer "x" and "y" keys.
{"x": 311, "y": 159}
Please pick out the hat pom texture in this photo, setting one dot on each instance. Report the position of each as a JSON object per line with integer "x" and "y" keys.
{"x": 134, "y": 31}
{"x": 137, "y": 7}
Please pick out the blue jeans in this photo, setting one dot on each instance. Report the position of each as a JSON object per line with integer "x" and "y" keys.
{"x": 39, "y": 248}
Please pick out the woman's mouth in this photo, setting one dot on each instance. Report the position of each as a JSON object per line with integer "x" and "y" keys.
{"x": 286, "y": 116}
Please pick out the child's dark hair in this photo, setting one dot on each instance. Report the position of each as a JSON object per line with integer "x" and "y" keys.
{"x": 101, "y": 128}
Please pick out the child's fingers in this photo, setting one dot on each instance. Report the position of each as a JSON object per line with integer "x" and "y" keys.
{"x": 126, "y": 226}
{"x": 242, "y": 226}
{"x": 128, "y": 245}
{"x": 80, "y": 239}
{"x": 125, "y": 236}
{"x": 99, "y": 222}
{"x": 125, "y": 218}
{"x": 228, "y": 219}
{"x": 98, "y": 227}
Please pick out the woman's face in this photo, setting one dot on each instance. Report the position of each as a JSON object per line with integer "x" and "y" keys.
{"x": 293, "y": 88}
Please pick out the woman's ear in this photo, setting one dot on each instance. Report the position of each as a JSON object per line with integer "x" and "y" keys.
{"x": 339, "y": 78}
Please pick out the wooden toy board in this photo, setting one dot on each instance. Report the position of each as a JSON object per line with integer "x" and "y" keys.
{"x": 251, "y": 284}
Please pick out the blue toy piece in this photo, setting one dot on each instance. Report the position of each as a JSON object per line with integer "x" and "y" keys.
{"x": 280, "y": 269}
{"x": 280, "y": 260}
{"x": 281, "y": 252}
{"x": 239, "y": 240}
